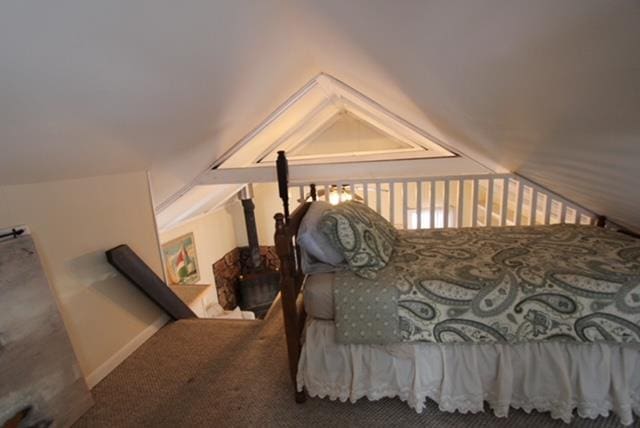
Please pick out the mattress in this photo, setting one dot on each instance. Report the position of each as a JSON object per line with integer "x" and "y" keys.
{"x": 318, "y": 295}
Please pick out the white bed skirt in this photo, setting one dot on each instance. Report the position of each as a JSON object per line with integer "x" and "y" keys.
{"x": 548, "y": 377}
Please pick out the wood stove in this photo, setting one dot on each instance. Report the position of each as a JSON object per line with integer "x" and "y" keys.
{"x": 258, "y": 285}
{"x": 258, "y": 290}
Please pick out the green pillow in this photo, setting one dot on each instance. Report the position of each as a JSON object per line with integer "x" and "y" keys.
{"x": 363, "y": 236}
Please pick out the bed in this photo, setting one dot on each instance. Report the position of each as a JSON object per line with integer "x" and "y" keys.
{"x": 553, "y": 328}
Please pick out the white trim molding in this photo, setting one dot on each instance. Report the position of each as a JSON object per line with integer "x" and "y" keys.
{"x": 308, "y": 173}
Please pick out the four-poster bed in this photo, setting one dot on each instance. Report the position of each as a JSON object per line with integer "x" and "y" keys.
{"x": 506, "y": 374}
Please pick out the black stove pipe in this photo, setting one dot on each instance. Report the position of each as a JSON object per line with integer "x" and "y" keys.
{"x": 245, "y": 196}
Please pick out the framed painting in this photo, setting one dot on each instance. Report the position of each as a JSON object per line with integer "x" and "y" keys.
{"x": 181, "y": 260}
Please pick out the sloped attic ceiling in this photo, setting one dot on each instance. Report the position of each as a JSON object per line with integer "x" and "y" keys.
{"x": 548, "y": 89}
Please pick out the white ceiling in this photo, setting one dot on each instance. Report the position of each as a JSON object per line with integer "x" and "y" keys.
{"x": 548, "y": 89}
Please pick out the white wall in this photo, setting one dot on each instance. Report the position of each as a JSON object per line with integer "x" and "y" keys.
{"x": 73, "y": 222}
{"x": 214, "y": 235}
{"x": 267, "y": 204}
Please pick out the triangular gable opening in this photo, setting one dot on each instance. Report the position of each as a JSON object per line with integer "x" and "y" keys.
{"x": 328, "y": 121}
{"x": 347, "y": 137}
{"x": 327, "y": 127}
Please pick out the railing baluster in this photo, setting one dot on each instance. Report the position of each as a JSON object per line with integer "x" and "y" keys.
{"x": 505, "y": 201}
{"x": 445, "y": 211}
{"x": 432, "y": 204}
{"x": 365, "y": 193}
{"x": 563, "y": 212}
{"x": 378, "y": 201}
{"x": 547, "y": 210}
{"x": 301, "y": 199}
{"x": 326, "y": 192}
{"x": 352, "y": 189}
{"x": 392, "y": 202}
{"x": 405, "y": 201}
{"x": 534, "y": 207}
{"x": 459, "y": 220}
{"x": 474, "y": 208}
{"x": 419, "y": 204}
{"x": 519, "y": 203}
{"x": 488, "y": 212}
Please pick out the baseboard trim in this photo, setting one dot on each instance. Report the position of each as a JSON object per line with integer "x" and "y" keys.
{"x": 114, "y": 361}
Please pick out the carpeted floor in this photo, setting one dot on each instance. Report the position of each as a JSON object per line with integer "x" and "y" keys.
{"x": 210, "y": 373}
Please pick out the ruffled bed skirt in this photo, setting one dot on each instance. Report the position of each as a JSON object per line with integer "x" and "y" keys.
{"x": 549, "y": 377}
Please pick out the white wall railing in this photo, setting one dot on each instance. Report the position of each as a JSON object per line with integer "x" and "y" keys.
{"x": 454, "y": 201}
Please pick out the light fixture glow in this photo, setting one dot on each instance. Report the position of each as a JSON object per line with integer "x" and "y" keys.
{"x": 336, "y": 196}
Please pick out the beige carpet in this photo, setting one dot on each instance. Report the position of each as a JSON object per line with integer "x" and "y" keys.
{"x": 210, "y": 373}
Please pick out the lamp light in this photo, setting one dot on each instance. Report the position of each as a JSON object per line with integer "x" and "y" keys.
{"x": 336, "y": 196}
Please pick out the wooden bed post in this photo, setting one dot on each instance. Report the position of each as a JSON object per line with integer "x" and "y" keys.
{"x": 601, "y": 221}
{"x": 288, "y": 297}
{"x": 291, "y": 276}
{"x": 282, "y": 167}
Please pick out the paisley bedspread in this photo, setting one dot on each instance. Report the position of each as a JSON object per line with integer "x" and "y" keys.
{"x": 507, "y": 284}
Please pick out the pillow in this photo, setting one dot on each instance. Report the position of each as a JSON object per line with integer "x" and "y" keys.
{"x": 316, "y": 247}
{"x": 311, "y": 265}
{"x": 363, "y": 236}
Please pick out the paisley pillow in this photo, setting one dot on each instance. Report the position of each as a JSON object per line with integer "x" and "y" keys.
{"x": 313, "y": 242}
{"x": 363, "y": 236}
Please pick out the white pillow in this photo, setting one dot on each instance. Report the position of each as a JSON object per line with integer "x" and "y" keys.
{"x": 313, "y": 241}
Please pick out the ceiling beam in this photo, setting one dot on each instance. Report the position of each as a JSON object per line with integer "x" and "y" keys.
{"x": 348, "y": 171}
